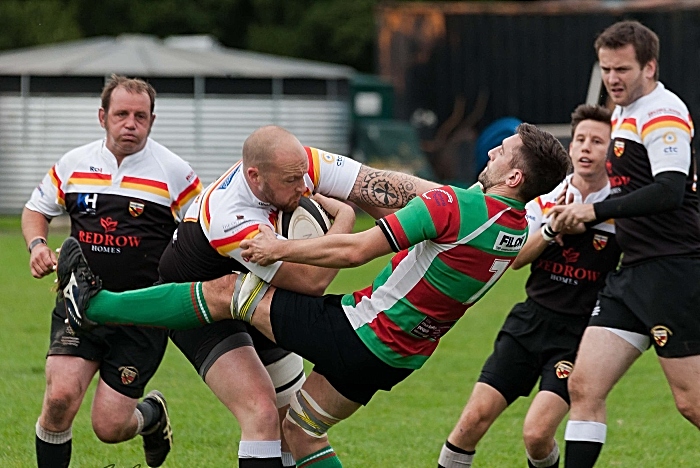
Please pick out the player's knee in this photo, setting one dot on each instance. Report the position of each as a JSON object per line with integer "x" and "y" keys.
{"x": 537, "y": 439}
{"x": 689, "y": 407}
{"x": 108, "y": 432}
{"x": 577, "y": 388}
{"x": 60, "y": 405}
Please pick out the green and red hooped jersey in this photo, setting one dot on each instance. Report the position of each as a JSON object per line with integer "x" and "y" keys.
{"x": 453, "y": 244}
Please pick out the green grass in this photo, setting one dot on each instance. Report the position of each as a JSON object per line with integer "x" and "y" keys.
{"x": 404, "y": 428}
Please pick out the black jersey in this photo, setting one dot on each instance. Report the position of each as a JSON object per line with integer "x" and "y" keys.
{"x": 566, "y": 279}
{"x": 650, "y": 136}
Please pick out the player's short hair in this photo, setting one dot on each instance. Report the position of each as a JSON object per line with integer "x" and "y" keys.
{"x": 589, "y": 112}
{"x": 542, "y": 159}
{"x": 261, "y": 146}
{"x": 133, "y": 85}
{"x": 644, "y": 40}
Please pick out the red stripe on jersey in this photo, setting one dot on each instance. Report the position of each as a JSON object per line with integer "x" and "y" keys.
{"x": 57, "y": 182}
{"x": 148, "y": 182}
{"x": 91, "y": 175}
{"x": 546, "y": 206}
{"x": 358, "y": 295}
{"x": 397, "y": 230}
{"x": 398, "y": 340}
{"x": 313, "y": 170}
{"x": 666, "y": 118}
{"x": 444, "y": 212}
{"x": 512, "y": 219}
{"x": 471, "y": 261}
{"x": 396, "y": 259}
{"x": 613, "y": 122}
{"x": 431, "y": 302}
{"x": 190, "y": 191}
{"x": 238, "y": 237}
{"x": 631, "y": 121}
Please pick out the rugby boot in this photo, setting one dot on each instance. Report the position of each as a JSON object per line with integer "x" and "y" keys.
{"x": 78, "y": 284}
{"x": 158, "y": 441}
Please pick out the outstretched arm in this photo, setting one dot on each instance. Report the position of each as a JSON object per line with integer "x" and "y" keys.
{"x": 380, "y": 192}
{"x": 338, "y": 251}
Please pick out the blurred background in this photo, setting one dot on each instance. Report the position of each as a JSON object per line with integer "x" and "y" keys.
{"x": 421, "y": 87}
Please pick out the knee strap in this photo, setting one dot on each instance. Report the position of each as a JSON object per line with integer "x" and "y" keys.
{"x": 248, "y": 291}
{"x": 299, "y": 413}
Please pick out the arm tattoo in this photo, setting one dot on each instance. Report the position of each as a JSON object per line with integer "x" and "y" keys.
{"x": 386, "y": 189}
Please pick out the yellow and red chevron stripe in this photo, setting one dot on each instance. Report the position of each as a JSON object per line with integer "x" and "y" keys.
{"x": 146, "y": 185}
{"x": 227, "y": 244}
{"x": 56, "y": 181}
{"x": 314, "y": 164}
{"x": 666, "y": 121}
{"x": 545, "y": 207}
{"x": 204, "y": 211}
{"x": 629, "y": 124}
{"x": 90, "y": 178}
{"x": 190, "y": 192}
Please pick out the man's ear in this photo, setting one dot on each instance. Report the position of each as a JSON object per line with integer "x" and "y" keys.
{"x": 515, "y": 178}
{"x": 253, "y": 174}
{"x": 649, "y": 69}
{"x": 101, "y": 114}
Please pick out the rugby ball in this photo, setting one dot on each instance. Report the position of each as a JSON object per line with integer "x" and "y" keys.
{"x": 307, "y": 221}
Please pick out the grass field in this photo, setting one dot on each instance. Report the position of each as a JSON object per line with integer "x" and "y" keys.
{"x": 404, "y": 428}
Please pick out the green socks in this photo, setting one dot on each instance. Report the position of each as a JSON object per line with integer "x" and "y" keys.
{"x": 324, "y": 458}
{"x": 177, "y": 306}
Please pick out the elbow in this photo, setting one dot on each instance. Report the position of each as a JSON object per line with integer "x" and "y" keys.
{"x": 355, "y": 258}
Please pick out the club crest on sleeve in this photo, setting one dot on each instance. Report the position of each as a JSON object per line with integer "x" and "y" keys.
{"x": 136, "y": 208}
{"x": 563, "y": 369}
{"x": 619, "y": 148}
{"x": 661, "y": 335}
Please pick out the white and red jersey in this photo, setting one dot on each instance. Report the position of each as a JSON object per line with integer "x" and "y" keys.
{"x": 228, "y": 212}
{"x": 122, "y": 215}
{"x": 650, "y": 136}
{"x": 566, "y": 279}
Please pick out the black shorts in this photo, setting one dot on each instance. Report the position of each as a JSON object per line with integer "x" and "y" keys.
{"x": 128, "y": 356}
{"x": 659, "y": 298}
{"x": 534, "y": 343}
{"x": 316, "y": 329}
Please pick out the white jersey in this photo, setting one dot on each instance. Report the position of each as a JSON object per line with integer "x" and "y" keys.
{"x": 539, "y": 208}
{"x": 228, "y": 211}
{"x": 154, "y": 174}
{"x": 123, "y": 216}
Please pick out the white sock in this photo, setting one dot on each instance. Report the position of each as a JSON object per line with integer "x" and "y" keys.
{"x": 585, "y": 431}
{"x": 288, "y": 460}
{"x": 260, "y": 449}
{"x": 55, "y": 438}
{"x": 548, "y": 460}
{"x": 451, "y": 459}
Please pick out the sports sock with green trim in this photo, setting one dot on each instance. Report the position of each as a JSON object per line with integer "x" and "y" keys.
{"x": 175, "y": 306}
{"x": 324, "y": 458}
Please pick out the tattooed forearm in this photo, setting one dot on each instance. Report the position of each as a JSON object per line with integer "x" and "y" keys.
{"x": 386, "y": 189}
